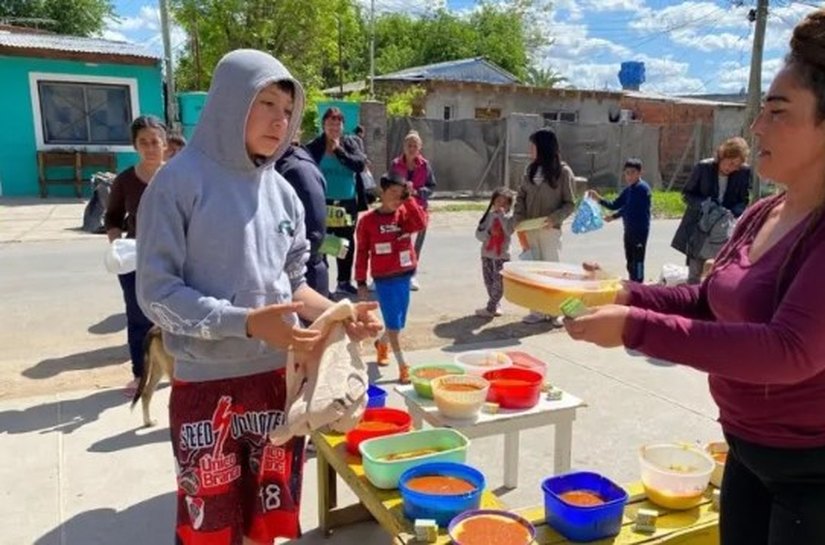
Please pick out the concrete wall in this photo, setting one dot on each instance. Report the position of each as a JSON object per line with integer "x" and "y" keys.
{"x": 728, "y": 121}
{"x": 18, "y": 143}
{"x": 374, "y": 121}
{"x": 464, "y": 101}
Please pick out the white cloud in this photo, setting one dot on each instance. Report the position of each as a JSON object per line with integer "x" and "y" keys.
{"x": 113, "y": 35}
{"x": 733, "y": 76}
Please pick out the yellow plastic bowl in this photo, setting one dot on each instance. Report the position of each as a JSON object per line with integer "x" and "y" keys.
{"x": 544, "y": 286}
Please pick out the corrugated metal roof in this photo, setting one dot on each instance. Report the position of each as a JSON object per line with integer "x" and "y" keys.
{"x": 473, "y": 70}
{"x": 73, "y": 44}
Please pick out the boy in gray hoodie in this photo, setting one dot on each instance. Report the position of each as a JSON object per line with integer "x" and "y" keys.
{"x": 221, "y": 269}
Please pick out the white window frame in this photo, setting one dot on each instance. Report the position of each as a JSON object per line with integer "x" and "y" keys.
{"x": 34, "y": 80}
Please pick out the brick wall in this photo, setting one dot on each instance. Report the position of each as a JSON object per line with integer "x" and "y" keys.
{"x": 677, "y": 122}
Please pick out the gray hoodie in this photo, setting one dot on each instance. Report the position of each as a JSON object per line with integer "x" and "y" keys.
{"x": 220, "y": 234}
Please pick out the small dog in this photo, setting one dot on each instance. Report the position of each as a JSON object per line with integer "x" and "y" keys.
{"x": 157, "y": 363}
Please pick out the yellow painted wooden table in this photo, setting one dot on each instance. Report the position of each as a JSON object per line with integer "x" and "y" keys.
{"x": 697, "y": 526}
{"x": 385, "y": 506}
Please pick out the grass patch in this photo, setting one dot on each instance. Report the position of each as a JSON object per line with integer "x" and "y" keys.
{"x": 459, "y": 207}
{"x": 665, "y": 205}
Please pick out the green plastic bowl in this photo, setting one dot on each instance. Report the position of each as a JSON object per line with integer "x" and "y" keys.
{"x": 449, "y": 446}
{"x": 422, "y": 385}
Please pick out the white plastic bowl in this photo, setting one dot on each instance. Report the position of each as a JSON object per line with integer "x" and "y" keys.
{"x": 674, "y": 475}
{"x": 461, "y": 405}
{"x": 481, "y": 361}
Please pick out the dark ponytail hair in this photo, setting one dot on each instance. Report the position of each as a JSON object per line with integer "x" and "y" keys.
{"x": 548, "y": 157}
{"x": 498, "y": 192}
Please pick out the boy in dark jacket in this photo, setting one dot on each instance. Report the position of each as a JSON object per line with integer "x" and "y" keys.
{"x": 299, "y": 169}
{"x": 633, "y": 207}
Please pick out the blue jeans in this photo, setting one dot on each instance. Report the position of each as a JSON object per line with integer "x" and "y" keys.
{"x": 137, "y": 324}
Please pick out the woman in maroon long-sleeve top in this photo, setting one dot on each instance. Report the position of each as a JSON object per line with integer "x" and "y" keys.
{"x": 757, "y": 323}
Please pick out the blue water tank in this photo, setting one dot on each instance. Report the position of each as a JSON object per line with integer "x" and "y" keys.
{"x": 632, "y": 75}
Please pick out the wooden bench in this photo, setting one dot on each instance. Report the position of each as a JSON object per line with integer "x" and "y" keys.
{"x": 385, "y": 506}
{"x": 697, "y": 526}
{"x": 77, "y": 161}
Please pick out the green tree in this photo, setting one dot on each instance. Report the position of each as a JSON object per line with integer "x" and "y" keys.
{"x": 543, "y": 77}
{"x": 72, "y": 17}
{"x": 303, "y": 34}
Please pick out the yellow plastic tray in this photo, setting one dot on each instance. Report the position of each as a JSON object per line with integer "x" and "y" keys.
{"x": 547, "y": 298}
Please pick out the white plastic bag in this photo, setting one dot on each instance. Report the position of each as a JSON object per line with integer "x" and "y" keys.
{"x": 674, "y": 275}
{"x": 121, "y": 256}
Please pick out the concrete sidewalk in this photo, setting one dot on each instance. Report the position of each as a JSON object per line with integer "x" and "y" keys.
{"x": 80, "y": 471}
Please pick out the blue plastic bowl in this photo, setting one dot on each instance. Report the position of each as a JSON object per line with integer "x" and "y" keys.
{"x": 584, "y": 523}
{"x": 439, "y": 507}
{"x": 376, "y": 397}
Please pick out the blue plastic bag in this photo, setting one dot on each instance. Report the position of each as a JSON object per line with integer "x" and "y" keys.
{"x": 588, "y": 217}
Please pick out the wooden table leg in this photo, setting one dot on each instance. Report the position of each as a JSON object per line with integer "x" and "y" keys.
{"x": 327, "y": 493}
{"x": 511, "y": 446}
{"x": 562, "y": 447}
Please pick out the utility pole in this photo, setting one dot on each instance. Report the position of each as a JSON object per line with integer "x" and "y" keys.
{"x": 171, "y": 100}
{"x": 372, "y": 49}
{"x": 340, "y": 55}
{"x": 759, "y": 16}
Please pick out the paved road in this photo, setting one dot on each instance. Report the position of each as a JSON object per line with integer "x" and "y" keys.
{"x": 62, "y": 322}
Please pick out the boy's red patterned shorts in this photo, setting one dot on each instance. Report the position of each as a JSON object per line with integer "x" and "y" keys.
{"x": 232, "y": 482}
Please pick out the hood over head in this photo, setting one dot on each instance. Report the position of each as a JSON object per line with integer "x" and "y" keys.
{"x": 239, "y": 77}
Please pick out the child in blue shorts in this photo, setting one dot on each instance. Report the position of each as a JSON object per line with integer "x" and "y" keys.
{"x": 384, "y": 248}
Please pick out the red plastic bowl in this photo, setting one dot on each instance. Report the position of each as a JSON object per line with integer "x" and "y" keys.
{"x": 396, "y": 421}
{"x": 526, "y": 361}
{"x": 514, "y": 388}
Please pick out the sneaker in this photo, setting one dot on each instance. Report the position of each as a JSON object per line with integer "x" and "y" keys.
{"x": 485, "y": 313}
{"x": 404, "y": 374}
{"x": 534, "y": 318}
{"x": 414, "y": 285}
{"x": 382, "y": 353}
{"x": 347, "y": 288}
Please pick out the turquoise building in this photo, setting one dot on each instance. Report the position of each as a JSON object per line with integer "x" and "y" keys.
{"x": 69, "y": 93}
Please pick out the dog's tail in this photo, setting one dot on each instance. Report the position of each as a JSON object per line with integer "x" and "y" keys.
{"x": 152, "y": 336}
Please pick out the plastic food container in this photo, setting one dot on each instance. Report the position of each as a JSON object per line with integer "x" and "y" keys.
{"x": 440, "y": 507}
{"x": 460, "y": 396}
{"x": 384, "y": 459}
{"x": 675, "y": 476}
{"x": 584, "y": 523}
{"x": 526, "y": 361}
{"x": 376, "y": 397}
{"x": 377, "y": 423}
{"x": 514, "y": 388}
{"x": 501, "y": 519}
{"x": 422, "y": 375}
{"x": 480, "y": 361}
{"x": 719, "y": 452}
{"x": 543, "y": 286}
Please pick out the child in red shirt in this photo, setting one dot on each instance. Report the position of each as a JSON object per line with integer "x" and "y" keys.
{"x": 384, "y": 246}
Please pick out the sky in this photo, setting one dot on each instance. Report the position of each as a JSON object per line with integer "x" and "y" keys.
{"x": 688, "y": 47}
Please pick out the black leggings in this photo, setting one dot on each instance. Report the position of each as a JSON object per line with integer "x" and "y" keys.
{"x": 772, "y": 496}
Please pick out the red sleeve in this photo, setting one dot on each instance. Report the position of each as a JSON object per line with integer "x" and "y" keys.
{"x": 413, "y": 217}
{"x": 787, "y": 350}
{"x": 362, "y": 247}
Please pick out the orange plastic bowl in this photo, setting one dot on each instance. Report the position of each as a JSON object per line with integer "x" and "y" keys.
{"x": 377, "y": 423}
{"x": 514, "y": 388}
